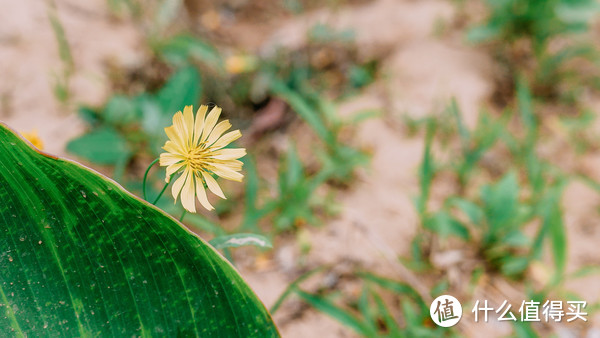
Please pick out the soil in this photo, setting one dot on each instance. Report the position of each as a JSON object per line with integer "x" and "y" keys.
{"x": 425, "y": 64}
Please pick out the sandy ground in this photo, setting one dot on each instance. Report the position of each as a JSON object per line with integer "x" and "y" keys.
{"x": 421, "y": 72}
{"x": 30, "y": 63}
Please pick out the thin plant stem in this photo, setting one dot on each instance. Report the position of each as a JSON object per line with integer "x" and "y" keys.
{"x": 182, "y": 215}
{"x": 146, "y": 177}
{"x": 162, "y": 191}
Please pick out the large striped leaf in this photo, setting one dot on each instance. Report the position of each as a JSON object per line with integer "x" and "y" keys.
{"x": 80, "y": 256}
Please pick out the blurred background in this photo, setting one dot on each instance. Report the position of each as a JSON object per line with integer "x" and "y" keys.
{"x": 397, "y": 149}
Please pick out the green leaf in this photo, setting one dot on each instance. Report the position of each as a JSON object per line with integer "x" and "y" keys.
{"x": 237, "y": 240}
{"x": 516, "y": 238}
{"x": 411, "y": 316}
{"x": 343, "y": 316}
{"x": 512, "y": 266}
{"x": 397, "y": 287}
{"x": 103, "y": 146}
{"x": 293, "y": 286}
{"x": 553, "y": 225}
{"x": 445, "y": 225}
{"x": 294, "y": 171}
{"x": 252, "y": 212}
{"x": 64, "y": 50}
{"x": 120, "y": 110}
{"x": 526, "y": 107}
{"x": 153, "y": 118}
{"x": 427, "y": 169}
{"x": 179, "y": 49}
{"x": 439, "y": 288}
{"x": 482, "y": 33}
{"x": 80, "y": 256}
{"x": 296, "y": 189}
{"x": 360, "y": 76}
{"x": 304, "y": 109}
{"x": 501, "y": 202}
{"x": 88, "y": 114}
{"x": 524, "y": 330}
{"x": 470, "y": 209}
{"x": 585, "y": 271}
{"x": 367, "y": 312}
{"x": 388, "y": 319}
{"x": 577, "y": 12}
{"x": 463, "y": 131}
{"x": 182, "y": 89}
{"x": 559, "y": 241}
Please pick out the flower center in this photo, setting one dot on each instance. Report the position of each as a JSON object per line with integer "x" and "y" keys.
{"x": 195, "y": 157}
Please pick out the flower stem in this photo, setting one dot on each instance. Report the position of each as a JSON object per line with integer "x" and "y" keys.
{"x": 145, "y": 178}
{"x": 182, "y": 215}
{"x": 162, "y": 191}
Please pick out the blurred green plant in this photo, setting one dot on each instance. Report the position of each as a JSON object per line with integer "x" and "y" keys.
{"x": 61, "y": 78}
{"x": 523, "y": 31}
{"x": 536, "y": 20}
{"x": 495, "y": 219}
{"x": 293, "y": 205}
{"x": 134, "y": 126}
{"x": 384, "y": 307}
{"x": 182, "y": 49}
{"x": 506, "y": 204}
{"x": 339, "y": 160}
{"x": 579, "y": 131}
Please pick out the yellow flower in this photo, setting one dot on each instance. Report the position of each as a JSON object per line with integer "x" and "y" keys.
{"x": 238, "y": 64}
{"x": 196, "y": 148}
{"x": 34, "y": 138}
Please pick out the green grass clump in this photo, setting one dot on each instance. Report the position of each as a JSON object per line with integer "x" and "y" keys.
{"x": 522, "y": 191}
{"x": 384, "y": 307}
{"x": 522, "y": 33}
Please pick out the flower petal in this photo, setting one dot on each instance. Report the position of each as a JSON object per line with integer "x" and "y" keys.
{"x": 173, "y": 148}
{"x": 227, "y": 173}
{"x": 228, "y": 154}
{"x": 173, "y": 168}
{"x": 188, "y": 194}
{"x": 217, "y": 132}
{"x": 178, "y": 185}
{"x": 175, "y": 140}
{"x": 211, "y": 121}
{"x": 226, "y": 139}
{"x": 213, "y": 185}
{"x": 199, "y": 124}
{"x": 201, "y": 193}
{"x": 180, "y": 128}
{"x": 167, "y": 159}
{"x": 188, "y": 119}
{"x": 234, "y": 165}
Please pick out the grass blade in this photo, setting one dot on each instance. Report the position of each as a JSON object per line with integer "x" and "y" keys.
{"x": 346, "y": 318}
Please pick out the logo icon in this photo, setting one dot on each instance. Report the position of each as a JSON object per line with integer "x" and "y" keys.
{"x": 445, "y": 311}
